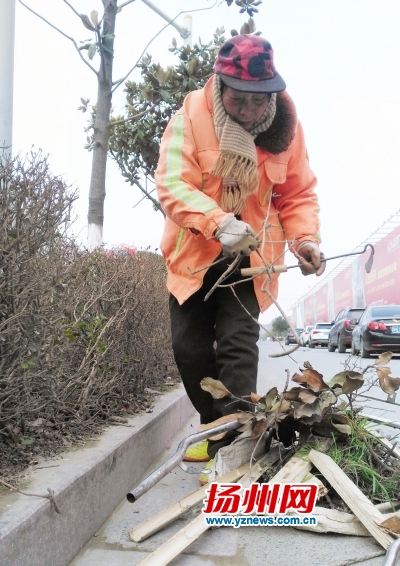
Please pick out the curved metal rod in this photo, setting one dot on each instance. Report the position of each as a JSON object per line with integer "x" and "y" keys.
{"x": 392, "y": 553}
{"x": 368, "y": 264}
{"x": 170, "y": 464}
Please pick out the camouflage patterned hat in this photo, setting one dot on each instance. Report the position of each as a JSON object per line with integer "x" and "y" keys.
{"x": 246, "y": 62}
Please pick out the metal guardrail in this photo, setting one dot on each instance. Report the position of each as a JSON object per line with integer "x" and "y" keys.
{"x": 392, "y": 554}
{"x": 391, "y": 399}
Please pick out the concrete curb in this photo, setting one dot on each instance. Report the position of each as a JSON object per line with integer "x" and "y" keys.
{"x": 89, "y": 484}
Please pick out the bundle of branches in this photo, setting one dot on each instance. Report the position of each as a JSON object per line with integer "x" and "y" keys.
{"x": 80, "y": 336}
{"x": 317, "y": 409}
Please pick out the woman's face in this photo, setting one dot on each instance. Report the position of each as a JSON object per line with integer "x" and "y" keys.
{"x": 245, "y": 108}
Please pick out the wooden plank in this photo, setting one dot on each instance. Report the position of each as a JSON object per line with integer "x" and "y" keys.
{"x": 186, "y": 536}
{"x": 293, "y": 471}
{"x": 334, "y": 521}
{"x": 168, "y": 515}
{"x": 361, "y": 506}
{"x": 322, "y": 489}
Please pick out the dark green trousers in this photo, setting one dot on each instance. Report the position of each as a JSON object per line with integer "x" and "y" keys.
{"x": 217, "y": 338}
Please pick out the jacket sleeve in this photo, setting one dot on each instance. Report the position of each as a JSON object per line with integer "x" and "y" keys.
{"x": 179, "y": 180}
{"x": 296, "y": 201}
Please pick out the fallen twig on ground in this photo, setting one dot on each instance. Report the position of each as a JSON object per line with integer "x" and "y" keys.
{"x": 51, "y": 496}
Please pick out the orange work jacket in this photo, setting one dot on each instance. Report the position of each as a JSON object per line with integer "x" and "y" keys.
{"x": 285, "y": 204}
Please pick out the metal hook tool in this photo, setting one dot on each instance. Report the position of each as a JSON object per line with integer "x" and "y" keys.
{"x": 251, "y": 271}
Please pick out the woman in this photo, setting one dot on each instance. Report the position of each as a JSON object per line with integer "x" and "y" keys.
{"x": 233, "y": 179}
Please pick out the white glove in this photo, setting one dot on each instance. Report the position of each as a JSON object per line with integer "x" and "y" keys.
{"x": 310, "y": 258}
{"x": 236, "y": 237}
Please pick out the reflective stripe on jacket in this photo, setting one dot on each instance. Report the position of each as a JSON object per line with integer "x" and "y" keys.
{"x": 191, "y": 199}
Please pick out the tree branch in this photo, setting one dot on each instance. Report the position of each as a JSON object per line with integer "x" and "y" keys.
{"x": 50, "y": 496}
{"x": 148, "y": 195}
{"x": 133, "y": 118}
{"x": 120, "y": 81}
{"x": 62, "y": 33}
{"x": 72, "y": 8}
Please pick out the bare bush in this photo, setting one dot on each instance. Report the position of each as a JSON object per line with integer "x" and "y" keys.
{"x": 82, "y": 335}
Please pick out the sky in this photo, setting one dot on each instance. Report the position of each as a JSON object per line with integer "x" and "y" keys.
{"x": 340, "y": 61}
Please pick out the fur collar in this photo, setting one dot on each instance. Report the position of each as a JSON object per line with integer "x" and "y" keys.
{"x": 281, "y": 132}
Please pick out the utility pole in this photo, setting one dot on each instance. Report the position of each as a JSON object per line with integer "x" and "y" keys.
{"x": 7, "y": 27}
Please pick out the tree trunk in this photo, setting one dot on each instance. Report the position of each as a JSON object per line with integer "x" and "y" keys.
{"x": 101, "y": 130}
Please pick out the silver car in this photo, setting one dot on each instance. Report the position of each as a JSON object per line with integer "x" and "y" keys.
{"x": 319, "y": 334}
{"x": 305, "y": 335}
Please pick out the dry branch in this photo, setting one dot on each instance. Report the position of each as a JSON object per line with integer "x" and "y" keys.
{"x": 352, "y": 496}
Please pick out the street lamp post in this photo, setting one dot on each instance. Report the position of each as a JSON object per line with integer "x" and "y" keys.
{"x": 7, "y": 25}
{"x": 184, "y": 33}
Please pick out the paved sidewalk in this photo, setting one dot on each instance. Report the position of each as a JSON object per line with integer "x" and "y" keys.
{"x": 246, "y": 546}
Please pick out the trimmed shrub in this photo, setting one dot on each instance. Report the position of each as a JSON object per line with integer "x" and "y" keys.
{"x": 83, "y": 336}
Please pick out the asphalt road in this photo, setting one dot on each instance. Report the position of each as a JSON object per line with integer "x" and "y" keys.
{"x": 273, "y": 372}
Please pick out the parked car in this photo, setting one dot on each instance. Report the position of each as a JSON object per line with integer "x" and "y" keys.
{"x": 290, "y": 337}
{"x": 319, "y": 334}
{"x": 341, "y": 331}
{"x": 305, "y": 335}
{"x": 378, "y": 330}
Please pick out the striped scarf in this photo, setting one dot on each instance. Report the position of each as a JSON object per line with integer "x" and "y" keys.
{"x": 237, "y": 161}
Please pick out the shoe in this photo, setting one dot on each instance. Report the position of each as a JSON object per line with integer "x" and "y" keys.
{"x": 204, "y": 477}
{"x": 197, "y": 453}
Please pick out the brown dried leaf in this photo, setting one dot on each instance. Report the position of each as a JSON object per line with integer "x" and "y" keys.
{"x": 220, "y": 421}
{"x": 324, "y": 428}
{"x": 259, "y": 428}
{"x": 259, "y": 416}
{"x": 349, "y": 381}
{"x": 281, "y": 406}
{"x": 339, "y": 418}
{"x": 215, "y": 387}
{"x": 304, "y": 410}
{"x": 292, "y": 394}
{"x": 299, "y": 378}
{"x": 307, "y": 396}
{"x": 270, "y": 398}
{"x": 327, "y": 399}
{"x": 255, "y": 398}
{"x": 312, "y": 379}
{"x": 343, "y": 428}
{"x": 244, "y": 417}
{"x": 320, "y": 406}
{"x": 383, "y": 358}
{"x": 388, "y": 384}
{"x": 340, "y": 377}
{"x": 351, "y": 385}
